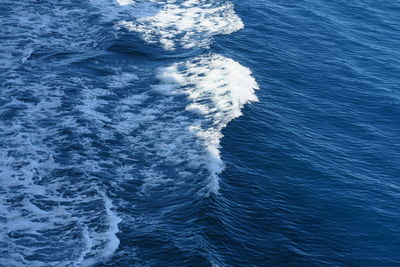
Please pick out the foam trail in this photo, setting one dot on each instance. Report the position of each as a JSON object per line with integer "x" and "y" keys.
{"x": 51, "y": 213}
{"x": 112, "y": 243}
{"x": 217, "y": 88}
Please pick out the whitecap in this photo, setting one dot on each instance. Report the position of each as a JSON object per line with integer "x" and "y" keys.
{"x": 216, "y": 88}
{"x": 185, "y": 24}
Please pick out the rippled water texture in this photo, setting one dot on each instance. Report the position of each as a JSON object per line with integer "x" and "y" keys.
{"x": 199, "y": 133}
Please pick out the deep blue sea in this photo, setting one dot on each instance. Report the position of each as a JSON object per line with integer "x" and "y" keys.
{"x": 199, "y": 133}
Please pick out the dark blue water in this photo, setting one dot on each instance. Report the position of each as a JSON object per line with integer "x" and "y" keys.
{"x": 199, "y": 133}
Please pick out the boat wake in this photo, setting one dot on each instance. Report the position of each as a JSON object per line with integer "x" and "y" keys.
{"x": 70, "y": 139}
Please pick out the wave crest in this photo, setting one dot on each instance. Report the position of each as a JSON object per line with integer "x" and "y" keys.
{"x": 216, "y": 88}
{"x": 172, "y": 23}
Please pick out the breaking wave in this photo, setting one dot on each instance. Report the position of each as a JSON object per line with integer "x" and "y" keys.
{"x": 216, "y": 88}
{"x": 173, "y": 23}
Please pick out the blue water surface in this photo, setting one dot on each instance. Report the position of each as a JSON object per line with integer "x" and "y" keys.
{"x": 104, "y": 163}
{"x": 317, "y": 181}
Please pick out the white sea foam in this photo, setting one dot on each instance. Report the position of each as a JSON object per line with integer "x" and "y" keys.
{"x": 217, "y": 88}
{"x": 115, "y": 10}
{"x": 172, "y": 23}
{"x": 108, "y": 237}
{"x": 122, "y": 80}
{"x": 187, "y": 24}
{"x": 48, "y": 217}
{"x": 177, "y": 132}
{"x": 125, "y": 2}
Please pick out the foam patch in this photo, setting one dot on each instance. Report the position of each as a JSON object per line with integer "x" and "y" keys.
{"x": 185, "y": 24}
{"x": 216, "y": 88}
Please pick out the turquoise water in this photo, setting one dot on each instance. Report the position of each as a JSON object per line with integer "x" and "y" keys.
{"x": 199, "y": 133}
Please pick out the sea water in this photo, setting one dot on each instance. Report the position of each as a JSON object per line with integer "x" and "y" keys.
{"x": 199, "y": 133}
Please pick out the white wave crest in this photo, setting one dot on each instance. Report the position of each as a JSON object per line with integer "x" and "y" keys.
{"x": 172, "y": 23}
{"x": 217, "y": 89}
